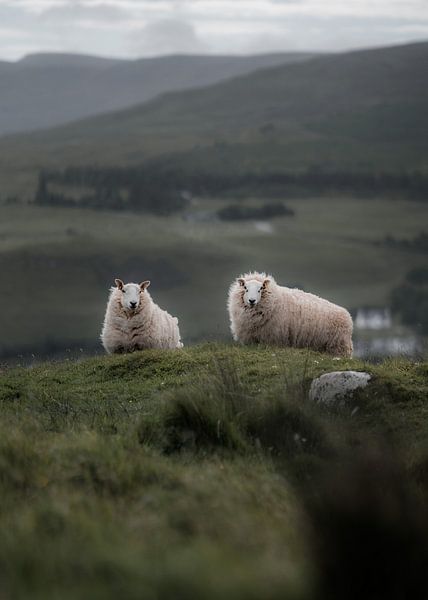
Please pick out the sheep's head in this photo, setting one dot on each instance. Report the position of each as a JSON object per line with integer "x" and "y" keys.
{"x": 130, "y": 297}
{"x": 253, "y": 290}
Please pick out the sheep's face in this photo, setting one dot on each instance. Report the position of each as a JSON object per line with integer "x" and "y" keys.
{"x": 253, "y": 291}
{"x": 130, "y": 296}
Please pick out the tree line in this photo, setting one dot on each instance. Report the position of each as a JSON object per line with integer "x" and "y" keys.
{"x": 161, "y": 189}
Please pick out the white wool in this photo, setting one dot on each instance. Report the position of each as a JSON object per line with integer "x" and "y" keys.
{"x": 134, "y": 322}
{"x": 261, "y": 311}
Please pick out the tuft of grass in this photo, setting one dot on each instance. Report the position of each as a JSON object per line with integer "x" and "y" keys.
{"x": 232, "y": 411}
{"x": 206, "y": 413}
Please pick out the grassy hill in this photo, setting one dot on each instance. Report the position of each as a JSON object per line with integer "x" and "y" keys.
{"x": 206, "y": 472}
{"x": 43, "y": 90}
{"x": 363, "y": 110}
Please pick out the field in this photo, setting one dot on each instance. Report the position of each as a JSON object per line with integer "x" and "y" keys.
{"x": 58, "y": 264}
{"x": 205, "y": 473}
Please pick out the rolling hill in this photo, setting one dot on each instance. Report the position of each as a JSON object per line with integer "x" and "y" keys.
{"x": 43, "y": 90}
{"x": 364, "y": 110}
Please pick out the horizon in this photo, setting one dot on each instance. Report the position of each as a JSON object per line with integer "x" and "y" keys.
{"x": 126, "y": 29}
{"x": 209, "y": 54}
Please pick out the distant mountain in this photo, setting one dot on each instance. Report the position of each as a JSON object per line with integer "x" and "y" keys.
{"x": 44, "y": 90}
{"x": 364, "y": 110}
{"x": 47, "y": 59}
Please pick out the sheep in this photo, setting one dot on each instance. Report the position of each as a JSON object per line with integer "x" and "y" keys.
{"x": 134, "y": 322}
{"x": 261, "y": 311}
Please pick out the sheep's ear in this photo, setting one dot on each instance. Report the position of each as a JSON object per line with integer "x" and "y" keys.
{"x": 241, "y": 282}
{"x": 144, "y": 284}
{"x": 119, "y": 284}
{"x": 266, "y": 282}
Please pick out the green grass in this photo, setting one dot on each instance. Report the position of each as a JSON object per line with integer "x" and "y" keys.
{"x": 57, "y": 264}
{"x": 191, "y": 473}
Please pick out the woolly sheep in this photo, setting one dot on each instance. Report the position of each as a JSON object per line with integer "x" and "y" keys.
{"x": 134, "y": 322}
{"x": 261, "y": 311}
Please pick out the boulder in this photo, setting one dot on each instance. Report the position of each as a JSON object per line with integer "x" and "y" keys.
{"x": 338, "y": 386}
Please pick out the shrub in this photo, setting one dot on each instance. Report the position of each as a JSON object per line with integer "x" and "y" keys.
{"x": 418, "y": 276}
{"x": 236, "y": 212}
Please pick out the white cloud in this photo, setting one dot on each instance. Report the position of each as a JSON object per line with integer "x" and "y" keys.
{"x": 168, "y": 36}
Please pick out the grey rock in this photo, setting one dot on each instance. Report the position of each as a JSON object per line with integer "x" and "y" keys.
{"x": 337, "y": 386}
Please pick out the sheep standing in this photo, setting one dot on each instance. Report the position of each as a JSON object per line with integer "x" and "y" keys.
{"x": 261, "y": 311}
{"x": 134, "y": 322}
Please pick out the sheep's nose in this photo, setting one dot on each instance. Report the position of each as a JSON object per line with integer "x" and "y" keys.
{"x": 133, "y": 304}
{"x": 251, "y": 301}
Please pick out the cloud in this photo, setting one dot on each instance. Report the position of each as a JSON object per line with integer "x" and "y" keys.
{"x": 168, "y": 36}
{"x": 77, "y": 11}
{"x": 148, "y": 27}
{"x": 314, "y": 33}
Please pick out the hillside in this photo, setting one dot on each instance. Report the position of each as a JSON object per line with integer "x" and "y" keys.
{"x": 362, "y": 110}
{"x": 43, "y": 90}
{"x": 207, "y": 473}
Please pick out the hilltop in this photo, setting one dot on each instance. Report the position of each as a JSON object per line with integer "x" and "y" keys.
{"x": 207, "y": 472}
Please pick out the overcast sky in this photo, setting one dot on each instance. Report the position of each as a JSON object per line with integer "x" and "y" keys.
{"x": 131, "y": 28}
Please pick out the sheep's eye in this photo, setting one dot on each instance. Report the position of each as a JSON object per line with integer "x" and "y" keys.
{"x": 245, "y": 289}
